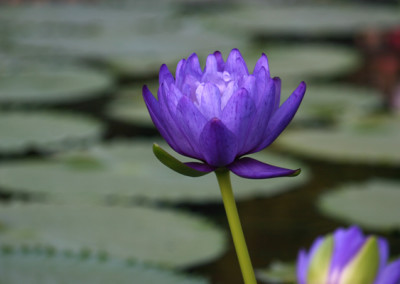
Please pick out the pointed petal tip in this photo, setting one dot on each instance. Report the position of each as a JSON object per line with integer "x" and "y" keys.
{"x": 295, "y": 173}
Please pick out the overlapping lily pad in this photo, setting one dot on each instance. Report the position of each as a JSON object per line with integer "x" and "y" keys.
{"x": 52, "y": 267}
{"x": 33, "y": 84}
{"x": 45, "y": 131}
{"x": 338, "y": 19}
{"x": 152, "y": 235}
{"x": 373, "y": 141}
{"x": 121, "y": 172}
{"x": 373, "y": 204}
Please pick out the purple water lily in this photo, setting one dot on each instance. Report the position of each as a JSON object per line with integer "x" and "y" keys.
{"x": 222, "y": 113}
{"x": 347, "y": 257}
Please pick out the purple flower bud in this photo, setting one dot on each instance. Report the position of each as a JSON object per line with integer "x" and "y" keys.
{"x": 221, "y": 113}
{"x": 347, "y": 257}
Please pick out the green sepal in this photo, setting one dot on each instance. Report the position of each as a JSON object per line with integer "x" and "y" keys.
{"x": 174, "y": 164}
{"x": 363, "y": 269}
{"x": 320, "y": 262}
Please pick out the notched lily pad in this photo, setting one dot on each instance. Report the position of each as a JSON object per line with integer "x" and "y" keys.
{"x": 373, "y": 205}
{"x": 45, "y": 131}
{"x": 125, "y": 172}
{"x": 30, "y": 266}
{"x": 152, "y": 235}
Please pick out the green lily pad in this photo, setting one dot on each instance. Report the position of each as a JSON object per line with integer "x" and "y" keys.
{"x": 33, "y": 84}
{"x": 164, "y": 237}
{"x": 373, "y": 205}
{"x": 45, "y": 131}
{"x": 373, "y": 141}
{"x": 339, "y": 19}
{"x": 278, "y": 273}
{"x": 124, "y": 172}
{"x": 31, "y": 267}
{"x": 129, "y": 107}
{"x": 333, "y": 103}
{"x": 296, "y": 62}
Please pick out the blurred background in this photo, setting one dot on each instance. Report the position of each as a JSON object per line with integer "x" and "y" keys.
{"x": 83, "y": 199}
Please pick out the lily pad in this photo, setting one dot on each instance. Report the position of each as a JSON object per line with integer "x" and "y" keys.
{"x": 278, "y": 273}
{"x": 333, "y": 103}
{"x": 372, "y": 142}
{"x": 373, "y": 205}
{"x": 128, "y": 107}
{"x": 32, "y": 84}
{"x": 298, "y": 20}
{"x": 31, "y": 267}
{"x": 158, "y": 236}
{"x": 301, "y": 60}
{"x": 45, "y": 131}
{"x": 126, "y": 172}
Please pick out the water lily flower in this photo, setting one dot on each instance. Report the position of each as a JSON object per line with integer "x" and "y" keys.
{"x": 347, "y": 257}
{"x": 219, "y": 114}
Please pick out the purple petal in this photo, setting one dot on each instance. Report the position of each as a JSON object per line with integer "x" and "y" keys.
{"x": 262, "y": 63}
{"x": 235, "y": 64}
{"x": 200, "y": 167}
{"x": 238, "y": 115}
{"x": 165, "y": 75}
{"x": 302, "y": 267}
{"x": 220, "y": 61}
{"x": 154, "y": 110}
{"x": 278, "y": 86}
{"x": 179, "y": 74}
{"x": 282, "y": 117}
{"x": 391, "y": 274}
{"x": 179, "y": 141}
{"x": 383, "y": 254}
{"x": 251, "y": 168}
{"x": 262, "y": 117}
{"x": 209, "y": 98}
{"x": 191, "y": 121}
{"x": 347, "y": 243}
{"x": 211, "y": 65}
{"x": 192, "y": 67}
{"x": 218, "y": 144}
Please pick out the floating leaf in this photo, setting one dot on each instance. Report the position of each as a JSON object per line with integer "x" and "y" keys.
{"x": 334, "y": 20}
{"x": 374, "y": 204}
{"x": 373, "y": 141}
{"x": 158, "y": 236}
{"x": 31, "y": 267}
{"x": 129, "y": 107}
{"x": 31, "y": 84}
{"x": 121, "y": 172}
{"x": 45, "y": 131}
{"x": 278, "y": 273}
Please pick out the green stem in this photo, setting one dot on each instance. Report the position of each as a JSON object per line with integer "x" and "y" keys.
{"x": 224, "y": 182}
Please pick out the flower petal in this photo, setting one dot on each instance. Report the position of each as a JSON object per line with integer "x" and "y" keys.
{"x": 154, "y": 111}
{"x": 250, "y": 168}
{"x": 165, "y": 75}
{"x": 218, "y": 144}
{"x": 262, "y": 62}
{"x": 238, "y": 115}
{"x": 347, "y": 243}
{"x": 209, "y": 99}
{"x": 191, "y": 121}
{"x": 179, "y": 74}
{"x": 235, "y": 64}
{"x": 282, "y": 117}
{"x": 220, "y": 61}
{"x": 211, "y": 65}
{"x": 302, "y": 267}
{"x": 200, "y": 167}
{"x": 391, "y": 274}
{"x": 278, "y": 86}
